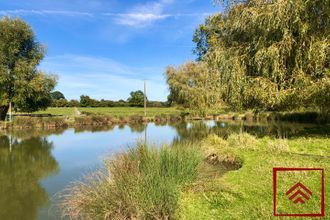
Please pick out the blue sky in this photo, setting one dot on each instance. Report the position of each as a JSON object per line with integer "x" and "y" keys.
{"x": 106, "y": 48}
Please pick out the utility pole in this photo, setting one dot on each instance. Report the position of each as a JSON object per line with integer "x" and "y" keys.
{"x": 10, "y": 107}
{"x": 145, "y": 98}
{"x": 10, "y": 112}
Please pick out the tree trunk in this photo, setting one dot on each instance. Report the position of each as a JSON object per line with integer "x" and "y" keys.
{"x": 3, "y": 112}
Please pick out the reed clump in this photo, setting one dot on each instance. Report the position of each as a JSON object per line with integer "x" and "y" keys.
{"x": 141, "y": 183}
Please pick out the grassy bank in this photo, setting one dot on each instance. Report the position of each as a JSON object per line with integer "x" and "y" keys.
{"x": 183, "y": 182}
{"x": 225, "y": 113}
{"x": 72, "y": 117}
{"x": 247, "y": 193}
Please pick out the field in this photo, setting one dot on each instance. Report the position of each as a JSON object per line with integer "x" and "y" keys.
{"x": 113, "y": 111}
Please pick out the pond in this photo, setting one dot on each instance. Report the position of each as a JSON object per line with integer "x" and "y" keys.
{"x": 36, "y": 165}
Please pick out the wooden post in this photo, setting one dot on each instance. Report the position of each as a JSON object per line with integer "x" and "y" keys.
{"x": 145, "y": 99}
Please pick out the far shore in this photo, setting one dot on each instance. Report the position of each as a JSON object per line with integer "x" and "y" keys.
{"x": 74, "y": 117}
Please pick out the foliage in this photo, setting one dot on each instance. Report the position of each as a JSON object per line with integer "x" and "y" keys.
{"x": 136, "y": 98}
{"x": 57, "y": 95}
{"x": 267, "y": 55}
{"x": 86, "y": 101}
{"x": 142, "y": 183}
{"x": 194, "y": 85}
{"x": 20, "y": 81}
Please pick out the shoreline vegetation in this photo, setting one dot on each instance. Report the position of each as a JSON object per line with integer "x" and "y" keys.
{"x": 209, "y": 179}
{"x": 72, "y": 117}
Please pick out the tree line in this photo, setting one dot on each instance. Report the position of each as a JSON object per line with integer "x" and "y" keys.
{"x": 258, "y": 54}
{"x": 136, "y": 99}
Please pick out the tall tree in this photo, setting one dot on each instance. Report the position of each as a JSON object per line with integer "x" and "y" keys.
{"x": 269, "y": 55}
{"x": 20, "y": 81}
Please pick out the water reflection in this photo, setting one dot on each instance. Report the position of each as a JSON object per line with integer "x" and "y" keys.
{"x": 22, "y": 165}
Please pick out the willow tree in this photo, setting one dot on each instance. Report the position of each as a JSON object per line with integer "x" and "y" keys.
{"x": 194, "y": 85}
{"x": 270, "y": 55}
{"x": 21, "y": 83}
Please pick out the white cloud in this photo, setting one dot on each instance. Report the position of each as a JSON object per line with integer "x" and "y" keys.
{"x": 143, "y": 15}
{"x": 138, "y": 17}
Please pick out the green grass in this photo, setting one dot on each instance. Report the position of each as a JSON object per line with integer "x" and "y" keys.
{"x": 57, "y": 111}
{"x": 128, "y": 111}
{"x": 142, "y": 183}
{"x": 113, "y": 111}
{"x": 247, "y": 193}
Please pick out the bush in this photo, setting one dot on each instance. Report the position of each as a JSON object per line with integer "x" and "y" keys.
{"x": 142, "y": 183}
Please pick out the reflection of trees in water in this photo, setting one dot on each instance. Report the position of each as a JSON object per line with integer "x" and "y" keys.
{"x": 197, "y": 130}
{"x": 284, "y": 129}
{"x": 191, "y": 132}
{"x": 137, "y": 127}
{"x": 29, "y": 133}
{"x": 21, "y": 169}
{"x": 93, "y": 128}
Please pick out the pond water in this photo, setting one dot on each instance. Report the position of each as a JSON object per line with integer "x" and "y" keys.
{"x": 36, "y": 165}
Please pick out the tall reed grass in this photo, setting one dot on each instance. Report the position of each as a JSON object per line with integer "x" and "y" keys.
{"x": 141, "y": 183}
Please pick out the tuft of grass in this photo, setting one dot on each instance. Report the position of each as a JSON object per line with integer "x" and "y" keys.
{"x": 242, "y": 141}
{"x": 141, "y": 183}
{"x": 278, "y": 145}
{"x": 216, "y": 150}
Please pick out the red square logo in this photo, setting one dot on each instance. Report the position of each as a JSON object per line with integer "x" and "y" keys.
{"x": 298, "y": 192}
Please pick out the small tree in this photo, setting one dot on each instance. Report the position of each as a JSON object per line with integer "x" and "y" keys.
{"x": 57, "y": 95}
{"x": 86, "y": 101}
{"x": 21, "y": 83}
{"x": 136, "y": 99}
